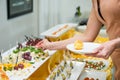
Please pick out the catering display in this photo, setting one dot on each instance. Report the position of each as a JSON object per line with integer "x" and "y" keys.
{"x": 22, "y": 61}
{"x": 92, "y": 64}
{"x": 67, "y": 70}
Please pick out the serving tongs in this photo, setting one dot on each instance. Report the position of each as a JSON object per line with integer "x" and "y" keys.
{"x": 27, "y": 38}
{"x": 32, "y": 37}
{"x": 19, "y": 47}
{"x": 16, "y": 60}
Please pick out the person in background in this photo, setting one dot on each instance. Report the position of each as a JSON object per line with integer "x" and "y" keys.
{"x": 102, "y": 12}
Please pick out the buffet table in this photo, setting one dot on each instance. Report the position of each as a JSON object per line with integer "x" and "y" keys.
{"x": 58, "y": 64}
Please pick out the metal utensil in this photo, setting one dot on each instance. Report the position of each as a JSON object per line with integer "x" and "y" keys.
{"x": 16, "y": 61}
{"x": 19, "y": 47}
{"x": 17, "y": 58}
{"x": 27, "y": 38}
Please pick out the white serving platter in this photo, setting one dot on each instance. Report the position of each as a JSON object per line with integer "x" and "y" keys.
{"x": 49, "y": 33}
{"x": 26, "y": 72}
{"x": 105, "y": 62}
{"x": 75, "y": 72}
{"x": 88, "y": 47}
{"x": 100, "y": 75}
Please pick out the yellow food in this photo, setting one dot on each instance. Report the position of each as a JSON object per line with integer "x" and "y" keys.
{"x": 3, "y": 75}
{"x": 78, "y": 44}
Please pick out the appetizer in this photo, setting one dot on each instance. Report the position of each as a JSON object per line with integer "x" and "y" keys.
{"x": 87, "y": 78}
{"x": 78, "y": 45}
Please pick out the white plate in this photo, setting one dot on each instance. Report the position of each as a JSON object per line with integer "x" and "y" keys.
{"x": 93, "y": 74}
{"x": 75, "y": 72}
{"x": 49, "y": 33}
{"x": 88, "y": 47}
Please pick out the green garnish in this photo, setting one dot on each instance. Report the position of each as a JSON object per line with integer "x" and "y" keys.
{"x": 43, "y": 58}
{"x": 41, "y": 51}
{"x": 32, "y": 49}
{"x": 10, "y": 68}
{"x": 36, "y": 51}
{"x": 10, "y": 57}
{"x": 24, "y": 49}
{"x": 32, "y": 62}
{"x": 4, "y": 68}
{"x": 16, "y": 51}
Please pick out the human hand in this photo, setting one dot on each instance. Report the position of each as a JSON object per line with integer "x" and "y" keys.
{"x": 43, "y": 44}
{"x": 104, "y": 50}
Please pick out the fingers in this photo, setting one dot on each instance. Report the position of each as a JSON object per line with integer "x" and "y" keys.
{"x": 42, "y": 44}
{"x": 98, "y": 49}
{"x": 98, "y": 55}
{"x": 46, "y": 40}
{"x": 39, "y": 44}
{"x": 103, "y": 54}
{"x": 95, "y": 52}
{"x": 91, "y": 54}
{"x": 100, "y": 52}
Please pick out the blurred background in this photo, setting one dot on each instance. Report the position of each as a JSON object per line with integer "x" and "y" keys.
{"x": 46, "y": 14}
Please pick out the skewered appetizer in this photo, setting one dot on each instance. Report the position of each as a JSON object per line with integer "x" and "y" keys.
{"x": 63, "y": 77}
{"x": 62, "y": 67}
{"x": 65, "y": 63}
{"x": 68, "y": 71}
{"x": 62, "y": 72}
{"x": 71, "y": 64}
{"x": 53, "y": 76}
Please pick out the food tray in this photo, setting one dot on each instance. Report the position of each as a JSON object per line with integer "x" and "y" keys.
{"x": 22, "y": 74}
{"x": 58, "y": 30}
{"x": 67, "y": 73}
{"x": 93, "y": 64}
{"x": 96, "y": 75}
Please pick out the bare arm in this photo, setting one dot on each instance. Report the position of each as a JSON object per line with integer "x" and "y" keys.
{"x": 93, "y": 28}
{"x": 117, "y": 43}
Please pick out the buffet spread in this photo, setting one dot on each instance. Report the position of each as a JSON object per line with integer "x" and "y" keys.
{"x": 25, "y": 62}
{"x": 21, "y": 61}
